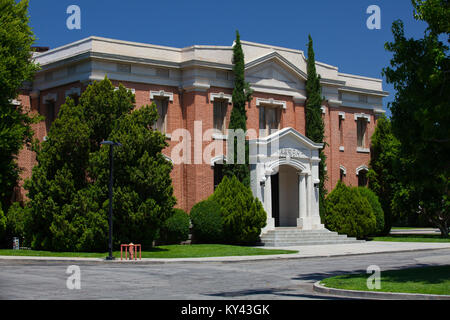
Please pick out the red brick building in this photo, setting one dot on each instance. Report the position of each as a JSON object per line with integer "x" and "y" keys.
{"x": 192, "y": 87}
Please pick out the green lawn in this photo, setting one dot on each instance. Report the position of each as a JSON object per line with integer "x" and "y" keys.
{"x": 170, "y": 251}
{"x": 426, "y": 280}
{"x": 412, "y": 238}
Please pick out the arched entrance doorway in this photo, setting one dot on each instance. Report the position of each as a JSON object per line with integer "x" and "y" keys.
{"x": 285, "y": 196}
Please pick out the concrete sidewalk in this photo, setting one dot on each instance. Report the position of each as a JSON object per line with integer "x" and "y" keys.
{"x": 313, "y": 251}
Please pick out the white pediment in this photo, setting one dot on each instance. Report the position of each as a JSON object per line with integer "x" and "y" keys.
{"x": 274, "y": 71}
{"x": 286, "y": 143}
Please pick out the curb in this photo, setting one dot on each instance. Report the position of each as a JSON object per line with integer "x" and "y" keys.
{"x": 317, "y": 287}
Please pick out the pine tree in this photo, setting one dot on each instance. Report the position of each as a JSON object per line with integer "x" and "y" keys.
{"x": 241, "y": 94}
{"x": 315, "y": 127}
{"x": 16, "y": 67}
{"x": 68, "y": 190}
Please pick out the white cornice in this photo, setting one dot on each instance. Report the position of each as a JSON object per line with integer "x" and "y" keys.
{"x": 72, "y": 91}
{"x": 161, "y": 94}
{"x": 271, "y": 102}
{"x": 362, "y": 115}
{"x": 221, "y": 95}
{"x": 50, "y": 97}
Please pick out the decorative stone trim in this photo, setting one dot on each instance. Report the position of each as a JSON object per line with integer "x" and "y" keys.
{"x": 324, "y": 109}
{"x": 299, "y": 99}
{"x": 361, "y": 168}
{"x": 342, "y": 115}
{"x": 219, "y": 160}
{"x": 168, "y": 158}
{"x": 362, "y": 115}
{"x": 132, "y": 89}
{"x": 334, "y": 103}
{"x": 15, "y": 102}
{"x": 219, "y": 136}
{"x": 50, "y": 97}
{"x": 221, "y": 95}
{"x": 341, "y": 148}
{"x": 161, "y": 94}
{"x": 272, "y": 102}
{"x": 342, "y": 168}
{"x": 362, "y": 150}
{"x": 72, "y": 91}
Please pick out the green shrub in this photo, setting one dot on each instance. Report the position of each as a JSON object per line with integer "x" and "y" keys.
{"x": 243, "y": 215}
{"x": 2, "y": 225}
{"x": 207, "y": 222}
{"x": 176, "y": 228}
{"x": 376, "y": 207}
{"x": 16, "y": 220}
{"x": 348, "y": 212}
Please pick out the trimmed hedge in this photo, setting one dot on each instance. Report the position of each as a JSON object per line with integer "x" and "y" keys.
{"x": 348, "y": 212}
{"x": 207, "y": 222}
{"x": 243, "y": 214}
{"x": 176, "y": 228}
{"x": 376, "y": 207}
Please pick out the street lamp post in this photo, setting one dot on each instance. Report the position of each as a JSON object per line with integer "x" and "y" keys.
{"x": 111, "y": 144}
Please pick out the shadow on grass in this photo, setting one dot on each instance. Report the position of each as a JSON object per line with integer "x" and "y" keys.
{"x": 423, "y": 274}
{"x": 406, "y": 237}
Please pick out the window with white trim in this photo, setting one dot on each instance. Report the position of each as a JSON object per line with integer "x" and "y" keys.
{"x": 269, "y": 120}
{"x": 361, "y": 132}
{"x": 362, "y": 178}
{"x": 161, "y": 105}
{"x": 220, "y": 113}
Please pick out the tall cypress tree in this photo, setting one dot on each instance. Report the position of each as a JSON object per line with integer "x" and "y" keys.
{"x": 315, "y": 127}
{"x": 241, "y": 94}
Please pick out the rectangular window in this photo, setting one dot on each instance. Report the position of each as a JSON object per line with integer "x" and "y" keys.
{"x": 163, "y": 73}
{"x": 361, "y": 125}
{"x": 362, "y": 98}
{"x": 269, "y": 120}
{"x": 121, "y": 67}
{"x": 50, "y": 111}
{"x": 341, "y": 131}
{"x": 218, "y": 174}
{"x": 162, "y": 106}
{"x": 220, "y": 113}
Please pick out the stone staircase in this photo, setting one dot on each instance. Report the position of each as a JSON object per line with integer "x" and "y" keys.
{"x": 284, "y": 237}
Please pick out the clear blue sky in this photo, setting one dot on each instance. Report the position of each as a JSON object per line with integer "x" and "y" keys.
{"x": 338, "y": 28}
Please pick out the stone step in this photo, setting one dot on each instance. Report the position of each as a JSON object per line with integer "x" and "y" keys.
{"x": 305, "y": 239}
{"x": 296, "y": 237}
{"x": 308, "y": 243}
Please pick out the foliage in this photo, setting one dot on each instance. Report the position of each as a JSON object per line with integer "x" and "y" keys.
{"x": 176, "y": 228}
{"x": 238, "y": 121}
{"x": 16, "y": 220}
{"x": 315, "y": 127}
{"x": 348, "y": 212}
{"x": 421, "y": 112}
{"x": 376, "y": 207}
{"x": 2, "y": 224}
{"x": 243, "y": 215}
{"x": 383, "y": 172}
{"x": 207, "y": 222}
{"x": 16, "y": 67}
{"x": 69, "y": 199}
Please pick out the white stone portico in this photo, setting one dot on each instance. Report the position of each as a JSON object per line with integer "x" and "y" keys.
{"x": 285, "y": 178}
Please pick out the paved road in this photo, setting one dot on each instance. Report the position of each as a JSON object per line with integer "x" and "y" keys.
{"x": 279, "y": 279}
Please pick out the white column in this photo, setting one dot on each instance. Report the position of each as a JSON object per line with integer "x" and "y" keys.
{"x": 302, "y": 202}
{"x": 309, "y": 194}
{"x": 270, "y": 222}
